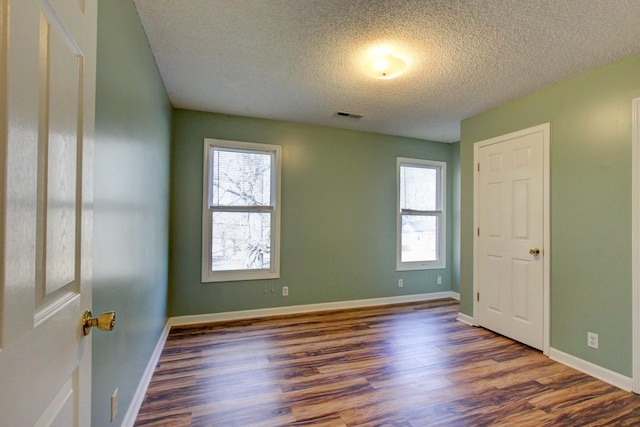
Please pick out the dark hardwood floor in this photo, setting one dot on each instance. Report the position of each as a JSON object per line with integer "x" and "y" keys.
{"x": 401, "y": 365}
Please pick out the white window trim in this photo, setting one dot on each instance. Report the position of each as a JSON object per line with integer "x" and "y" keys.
{"x": 209, "y": 276}
{"x": 442, "y": 244}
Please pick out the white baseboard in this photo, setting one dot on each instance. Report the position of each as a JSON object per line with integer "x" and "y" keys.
{"x": 466, "y": 319}
{"x": 306, "y": 308}
{"x": 606, "y": 375}
{"x": 141, "y": 390}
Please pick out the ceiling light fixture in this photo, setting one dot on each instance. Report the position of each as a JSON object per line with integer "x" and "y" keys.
{"x": 386, "y": 66}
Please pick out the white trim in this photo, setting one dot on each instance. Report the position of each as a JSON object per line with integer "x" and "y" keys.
{"x": 441, "y": 214}
{"x": 466, "y": 319}
{"x": 306, "y": 308}
{"x": 635, "y": 244}
{"x": 275, "y": 151}
{"x": 606, "y": 375}
{"x": 546, "y": 247}
{"x": 130, "y": 417}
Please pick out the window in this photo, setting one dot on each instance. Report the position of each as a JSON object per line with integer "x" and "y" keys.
{"x": 241, "y": 211}
{"x": 421, "y": 214}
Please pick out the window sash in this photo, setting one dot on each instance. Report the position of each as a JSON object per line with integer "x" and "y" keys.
{"x": 211, "y": 173}
{"x": 436, "y": 249}
{"x": 438, "y": 182}
{"x": 213, "y": 248}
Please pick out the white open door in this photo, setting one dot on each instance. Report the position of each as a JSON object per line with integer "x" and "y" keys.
{"x": 511, "y": 211}
{"x": 47, "y": 97}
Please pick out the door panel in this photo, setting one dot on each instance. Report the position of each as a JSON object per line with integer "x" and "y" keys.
{"x": 520, "y": 300}
{"x": 520, "y": 212}
{"x": 58, "y": 146}
{"x": 510, "y": 209}
{"x": 494, "y": 216}
{"x": 494, "y": 283}
{"x": 47, "y": 79}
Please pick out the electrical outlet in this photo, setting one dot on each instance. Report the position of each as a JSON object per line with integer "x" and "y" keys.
{"x": 114, "y": 405}
{"x": 592, "y": 340}
{"x": 439, "y": 280}
{"x": 400, "y": 283}
{"x": 285, "y": 291}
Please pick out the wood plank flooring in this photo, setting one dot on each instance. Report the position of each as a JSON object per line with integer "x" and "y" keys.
{"x": 402, "y": 365}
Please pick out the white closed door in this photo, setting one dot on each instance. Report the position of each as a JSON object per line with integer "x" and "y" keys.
{"x": 47, "y": 86}
{"x": 510, "y": 236}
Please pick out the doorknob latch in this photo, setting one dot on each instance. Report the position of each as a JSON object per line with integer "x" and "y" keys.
{"x": 104, "y": 322}
{"x": 534, "y": 251}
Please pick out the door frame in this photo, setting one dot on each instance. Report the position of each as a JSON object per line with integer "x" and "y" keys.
{"x": 635, "y": 244}
{"x": 546, "y": 220}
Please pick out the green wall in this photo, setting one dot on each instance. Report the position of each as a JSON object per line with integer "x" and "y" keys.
{"x": 590, "y": 120}
{"x": 133, "y": 119}
{"x": 338, "y": 215}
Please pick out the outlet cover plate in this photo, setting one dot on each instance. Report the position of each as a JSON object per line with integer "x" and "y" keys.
{"x": 592, "y": 340}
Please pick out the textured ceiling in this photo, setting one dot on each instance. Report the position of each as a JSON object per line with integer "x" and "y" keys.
{"x": 301, "y": 60}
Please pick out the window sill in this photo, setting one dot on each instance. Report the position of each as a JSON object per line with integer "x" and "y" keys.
{"x": 421, "y": 266}
{"x": 239, "y": 276}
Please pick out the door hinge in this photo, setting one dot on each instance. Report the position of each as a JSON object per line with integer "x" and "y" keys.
{"x": 478, "y": 167}
{"x": 478, "y": 231}
{"x": 478, "y": 297}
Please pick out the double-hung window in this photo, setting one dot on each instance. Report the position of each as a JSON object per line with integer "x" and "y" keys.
{"x": 421, "y": 227}
{"x": 241, "y": 211}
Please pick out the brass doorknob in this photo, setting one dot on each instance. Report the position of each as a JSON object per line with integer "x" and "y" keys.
{"x": 104, "y": 322}
{"x": 534, "y": 251}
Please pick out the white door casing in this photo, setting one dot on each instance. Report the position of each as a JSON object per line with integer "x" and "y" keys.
{"x": 635, "y": 224}
{"x": 47, "y": 103}
{"x": 511, "y": 217}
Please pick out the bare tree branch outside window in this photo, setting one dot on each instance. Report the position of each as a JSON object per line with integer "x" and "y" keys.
{"x": 241, "y": 235}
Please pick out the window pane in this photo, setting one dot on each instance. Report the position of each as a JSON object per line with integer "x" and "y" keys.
{"x": 418, "y": 188}
{"x": 240, "y": 178}
{"x": 240, "y": 241}
{"x": 419, "y": 238}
